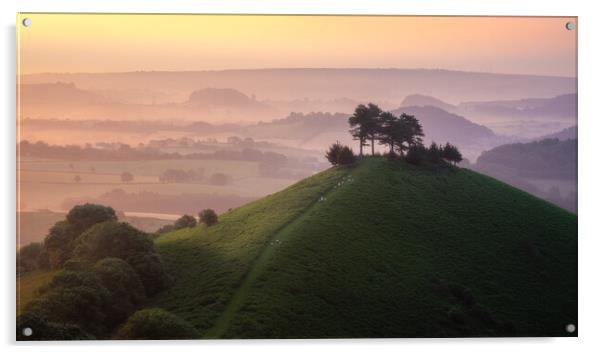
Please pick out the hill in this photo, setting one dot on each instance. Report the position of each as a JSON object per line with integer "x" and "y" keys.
{"x": 327, "y": 83}
{"x": 384, "y": 249}
{"x": 545, "y": 168}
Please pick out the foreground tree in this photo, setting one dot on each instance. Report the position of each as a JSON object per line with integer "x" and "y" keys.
{"x": 208, "y": 217}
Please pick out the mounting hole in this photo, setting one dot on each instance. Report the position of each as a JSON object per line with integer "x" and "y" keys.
{"x": 26, "y": 22}
{"x": 570, "y": 328}
{"x": 27, "y": 331}
{"x": 570, "y": 25}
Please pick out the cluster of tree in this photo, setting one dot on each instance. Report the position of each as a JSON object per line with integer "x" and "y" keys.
{"x": 435, "y": 154}
{"x": 401, "y": 134}
{"x": 339, "y": 155}
{"x": 206, "y": 216}
{"x": 370, "y": 124}
{"x": 106, "y": 270}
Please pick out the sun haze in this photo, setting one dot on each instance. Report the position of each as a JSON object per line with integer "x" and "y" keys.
{"x": 120, "y": 42}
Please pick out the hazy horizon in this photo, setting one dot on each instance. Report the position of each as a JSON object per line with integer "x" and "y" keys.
{"x": 125, "y": 43}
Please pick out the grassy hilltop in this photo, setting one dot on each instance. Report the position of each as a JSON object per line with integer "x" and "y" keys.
{"x": 381, "y": 249}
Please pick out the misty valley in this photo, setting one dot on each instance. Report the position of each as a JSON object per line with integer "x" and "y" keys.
{"x": 237, "y": 203}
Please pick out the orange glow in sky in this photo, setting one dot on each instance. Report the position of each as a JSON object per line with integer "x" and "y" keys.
{"x": 117, "y": 43}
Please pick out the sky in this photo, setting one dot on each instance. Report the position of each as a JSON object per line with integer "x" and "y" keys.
{"x": 118, "y": 43}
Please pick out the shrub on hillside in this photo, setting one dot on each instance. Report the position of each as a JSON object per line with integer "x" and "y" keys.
{"x": 165, "y": 229}
{"x": 125, "y": 288}
{"x": 156, "y": 324}
{"x": 112, "y": 239}
{"x": 208, "y": 217}
{"x": 121, "y": 240}
{"x": 74, "y": 298}
{"x": 338, "y": 154}
{"x": 27, "y": 257}
{"x": 151, "y": 271}
{"x": 416, "y": 154}
{"x": 58, "y": 244}
{"x": 86, "y": 215}
{"x": 184, "y": 222}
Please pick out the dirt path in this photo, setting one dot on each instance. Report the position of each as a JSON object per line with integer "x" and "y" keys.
{"x": 223, "y": 321}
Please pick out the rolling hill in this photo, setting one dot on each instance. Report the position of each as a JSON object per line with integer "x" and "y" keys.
{"x": 383, "y": 249}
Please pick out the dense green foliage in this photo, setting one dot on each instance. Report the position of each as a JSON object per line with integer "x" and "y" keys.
{"x": 208, "y": 217}
{"x": 156, "y": 324}
{"x": 340, "y": 155}
{"x": 41, "y": 329}
{"x": 107, "y": 270}
{"x": 184, "y": 222}
{"x": 384, "y": 249}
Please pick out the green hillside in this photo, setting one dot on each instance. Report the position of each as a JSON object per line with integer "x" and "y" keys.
{"x": 384, "y": 249}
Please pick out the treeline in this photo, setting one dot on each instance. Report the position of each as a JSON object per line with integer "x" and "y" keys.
{"x": 124, "y": 152}
{"x": 106, "y": 270}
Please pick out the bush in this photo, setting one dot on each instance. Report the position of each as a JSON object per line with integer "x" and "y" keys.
{"x": 338, "y": 154}
{"x": 165, "y": 229}
{"x": 112, "y": 239}
{"x": 86, "y": 215}
{"x": 185, "y": 221}
{"x": 27, "y": 257}
{"x": 44, "y": 330}
{"x": 151, "y": 271}
{"x": 346, "y": 156}
{"x": 121, "y": 240}
{"x": 156, "y": 324}
{"x": 124, "y": 286}
{"x": 416, "y": 154}
{"x": 73, "y": 298}
{"x": 208, "y": 217}
{"x": 219, "y": 179}
{"x": 59, "y": 243}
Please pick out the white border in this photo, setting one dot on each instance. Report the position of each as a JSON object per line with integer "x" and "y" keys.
{"x": 590, "y": 115}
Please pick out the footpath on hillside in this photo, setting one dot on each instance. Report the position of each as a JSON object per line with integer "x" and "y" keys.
{"x": 223, "y": 321}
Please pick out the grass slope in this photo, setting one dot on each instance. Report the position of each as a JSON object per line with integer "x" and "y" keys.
{"x": 395, "y": 250}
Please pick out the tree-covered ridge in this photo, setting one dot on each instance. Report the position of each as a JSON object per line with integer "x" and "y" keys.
{"x": 548, "y": 158}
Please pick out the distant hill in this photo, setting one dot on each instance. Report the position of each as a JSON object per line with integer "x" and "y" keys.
{"x": 565, "y": 134}
{"x": 558, "y": 106}
{"x": 384, "y": 249}
{"x": 327, "y": 83}
{"x": 423, "y": 100}
{"x": 547, "y": 168}
{"x": 441, "y": 126}
{"x": 46, "y": 93}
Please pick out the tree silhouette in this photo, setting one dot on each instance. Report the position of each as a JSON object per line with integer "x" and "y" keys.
{"x": 451, "y": 153}
{"x": 364, "y": 124}
{"x": 389, "y": 127}
{"x": 338, "y": 154}
{"x": 208, "y": 217}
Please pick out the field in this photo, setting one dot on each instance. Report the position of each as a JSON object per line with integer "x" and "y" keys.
{"x": 384, "y": 249}
{"x": 45, "y": 184}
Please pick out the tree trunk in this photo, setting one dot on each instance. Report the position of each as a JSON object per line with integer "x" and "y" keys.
{"x": 361, "y": 147}
{"x": 372, "y": 146}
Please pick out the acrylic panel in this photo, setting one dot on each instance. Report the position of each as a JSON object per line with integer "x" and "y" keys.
{"x": 295, "y": 176}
